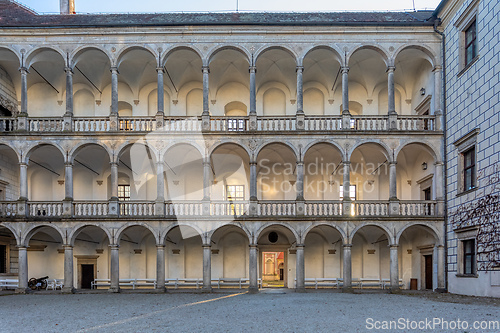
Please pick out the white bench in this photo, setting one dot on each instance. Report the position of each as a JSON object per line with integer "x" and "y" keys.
{"x": 9, "y": 284}
{"x": 370, "y": 283}
{"x": 176, "y": 283}
{"x": 145, "y": 283}
{"x": 234, "y": 282}
{"x": 100, "y": 283}
{"x": 387, "y": 283}
{"x": 323, "y": 282}
{"x": 123, "y": 283}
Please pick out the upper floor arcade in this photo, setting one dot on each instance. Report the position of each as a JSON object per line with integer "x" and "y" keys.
{"x": 298, "y": 78}
{"x": 238, "y": 177}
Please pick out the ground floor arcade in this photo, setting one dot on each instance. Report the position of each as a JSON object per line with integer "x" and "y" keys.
{"x": 291, "y": 254}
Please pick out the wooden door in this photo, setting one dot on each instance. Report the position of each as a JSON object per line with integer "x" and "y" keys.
{"x": 428, "y": 271}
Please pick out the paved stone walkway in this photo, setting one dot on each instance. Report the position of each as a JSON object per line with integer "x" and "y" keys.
{"x": 270, "y": 311}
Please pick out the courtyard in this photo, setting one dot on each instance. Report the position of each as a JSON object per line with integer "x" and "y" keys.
{"x": 272, "y": 310}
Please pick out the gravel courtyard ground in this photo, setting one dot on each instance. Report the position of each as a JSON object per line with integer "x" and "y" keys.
{"x": 268, "y": 311}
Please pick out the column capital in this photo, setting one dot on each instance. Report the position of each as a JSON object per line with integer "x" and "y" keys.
{"x": 68, "y": 164}
{"x": 300, "y": 162}
{"x": 252, "y": 246}
{"x": 394, "y": 246}
{"x": 23, "y": 163}
{"x": 206, "y": 246}
{"x": 114, "y": 246}
{"x": 299, "y": 69}
{"x": 160, "y": 246}
{"x": 21, "y": 247}
{"x": 114, "y": 70}
{"x": 300, "y": 246}
{"x": 68, "y": 70}
{"x": 391, "y": 69}
{"x": 393, "y": 162}
{"x": 24, "y": 70}
{"x": 205, "y": 69}
{"x": 112, "y": 163}
{"x": 69, "y": 246}
{"x": 346, "y": 246}
{"x": 160, "y": 69}
{"x": 252, "y": 69}
{"x": 346, "y": 162}
{"x": 437, "y": 68}
{"x": 345, "y": 70}
{"x": 440, "y": 163}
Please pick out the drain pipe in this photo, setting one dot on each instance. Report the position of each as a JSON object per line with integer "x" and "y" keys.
{"x": 437, "y": 22}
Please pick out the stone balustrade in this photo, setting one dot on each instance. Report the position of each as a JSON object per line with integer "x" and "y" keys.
{"x": 264, "y": 208}
{"x": 220, "y": 124}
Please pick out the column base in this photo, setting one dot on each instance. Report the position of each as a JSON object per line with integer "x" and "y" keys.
{"x": 23, "y": 290}
{"x": 440, "y": 290}
{"x": 206, "y": 290}
{"x": 160, "y": 290}
{"x": 347, "y": 290}
{"x": 114, "y": 290}
{"x": 395, "y": 290}
{"x": 253, "y": 290}
{"x": 68, "y": 290}
{"x": 300, "y": 290}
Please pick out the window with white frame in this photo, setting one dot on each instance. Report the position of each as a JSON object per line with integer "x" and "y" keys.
{"x": 467, "y": 162}
{"x": 466, "y": 252}
{"x": 352, "y": 192}
{"x": 467, "y": 26}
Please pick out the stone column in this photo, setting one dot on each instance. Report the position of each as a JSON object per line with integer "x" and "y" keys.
{"x": 347, "y": 268}
{"x": 206, "y": 101}
{"x": 113, "y": 201}
{"x": 68, "y": 180}
{"x": 160, "y": 267}
{"x": 114, "y": 180}
{"x": 207, "y": 268}
{"x": 160, "y": 190}
{"x": 346, "y": 115}
{"x": 300, "y": 90}
{"x": 253, "y": 180}
{"x": 69, "y": 92}
{"x": 439, "y": 188}
{"x": 441, "y": 287}
{"x": 24, "y": 91}
{"x": 300, "y": 268}
{"x": 345, "y": 90}
{"x": 300, "y": 181}
{"x": 393, "y": 190}
{"x": 253, "y": 269}
{"x": 68, "y": 269}
{"x": 114, "y": 91}
{"x": 438, "y": 107}
{"x": 23, "y": 269}
{"x": 394, "y": 270}
{"x": 115, "y": 269}
{"x": 346, "y": 184}
{"x": 390, "y": 88}
{"x": 68, "y": 188}
{"x": 23, "y": 181}
{"x": 253, "y": 98}
{"x": 252, "y": 119}
{"x": 207, "y": 169}
{"x": 161, "y": 101}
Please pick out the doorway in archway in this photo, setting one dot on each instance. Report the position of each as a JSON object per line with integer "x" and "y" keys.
{"x": 273, "y": 268}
